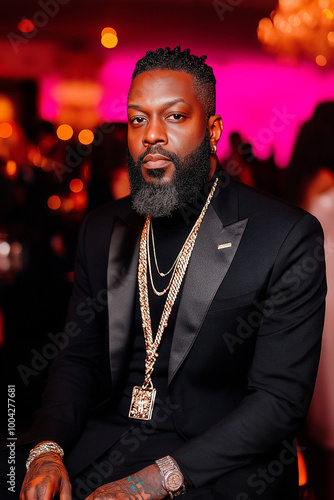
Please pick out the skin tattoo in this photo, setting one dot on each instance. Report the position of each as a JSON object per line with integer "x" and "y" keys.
{"x": 132, "y": 488}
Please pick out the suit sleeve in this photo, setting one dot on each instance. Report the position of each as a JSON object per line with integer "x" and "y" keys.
{"x": 283, "y": 370}
{"x": 74, "y": 376}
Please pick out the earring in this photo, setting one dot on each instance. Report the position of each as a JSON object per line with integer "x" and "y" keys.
{"x": 213, "y": 149}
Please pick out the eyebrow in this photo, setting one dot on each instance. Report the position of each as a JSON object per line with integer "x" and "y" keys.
{"x": 166, "y": 104}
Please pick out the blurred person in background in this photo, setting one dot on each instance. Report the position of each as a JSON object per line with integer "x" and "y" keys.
{"x": 311, "y": 180}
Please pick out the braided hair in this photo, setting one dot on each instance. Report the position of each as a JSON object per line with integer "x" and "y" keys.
{"x": 178, "y": 60}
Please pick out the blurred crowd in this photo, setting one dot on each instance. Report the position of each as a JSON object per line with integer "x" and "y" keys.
{"x": 47, "y": 185}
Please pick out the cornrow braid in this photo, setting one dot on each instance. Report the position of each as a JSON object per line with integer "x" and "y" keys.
{"x": 178, "y": 60}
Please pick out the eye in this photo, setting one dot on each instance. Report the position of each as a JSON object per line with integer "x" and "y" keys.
{"x": 137, "y": 120}
{"x": 176, "y": 117}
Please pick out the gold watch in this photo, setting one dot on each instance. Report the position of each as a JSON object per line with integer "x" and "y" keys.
{"x": 172, "y": 477}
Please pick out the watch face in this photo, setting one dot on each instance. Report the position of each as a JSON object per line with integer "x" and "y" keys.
{"x": 173, "y": 480}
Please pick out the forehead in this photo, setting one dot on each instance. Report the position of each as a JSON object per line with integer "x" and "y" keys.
{"x": 158, "y": 86}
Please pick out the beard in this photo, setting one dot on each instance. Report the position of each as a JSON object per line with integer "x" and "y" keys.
{"x": 162, "y": 199}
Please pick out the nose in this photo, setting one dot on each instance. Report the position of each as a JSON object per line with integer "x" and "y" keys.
{"x": 155, "y": 133}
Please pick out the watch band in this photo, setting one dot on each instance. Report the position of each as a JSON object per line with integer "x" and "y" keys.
{"x": 172, "y": 477}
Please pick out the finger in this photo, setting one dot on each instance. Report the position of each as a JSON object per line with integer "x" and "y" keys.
{"x": 43, "y": 491}
{"x": 65, "y": 490}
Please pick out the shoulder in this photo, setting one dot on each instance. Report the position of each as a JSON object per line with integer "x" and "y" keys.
{"x": 107, "y": 212}
{"x": 271, "y": 222}
{"x": 272, "y": 212}
{"x": 98, "y": 224}
{"x": 102, "y": 218}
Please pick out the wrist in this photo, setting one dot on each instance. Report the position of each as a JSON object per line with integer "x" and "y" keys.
{"x": 43, "y": 448}
{"x": 172, "y": 478}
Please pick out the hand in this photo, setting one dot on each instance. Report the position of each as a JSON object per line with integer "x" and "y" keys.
{"x": 46, "y": 476}
{"x": 143, "y": 485}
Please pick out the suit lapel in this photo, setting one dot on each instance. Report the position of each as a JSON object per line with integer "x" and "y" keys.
{"x": 122, "y": 280}
{"x": 207, "y": 268}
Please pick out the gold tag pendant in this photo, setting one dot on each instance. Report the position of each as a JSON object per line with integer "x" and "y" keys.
{"x": 142, "y": 403}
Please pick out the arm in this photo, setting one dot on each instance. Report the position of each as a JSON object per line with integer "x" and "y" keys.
{"x": 283, "y": 370}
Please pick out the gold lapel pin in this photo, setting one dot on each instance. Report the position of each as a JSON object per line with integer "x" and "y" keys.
{"x": 224, "y": 245}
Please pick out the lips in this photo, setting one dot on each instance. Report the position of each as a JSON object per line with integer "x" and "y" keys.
{"x": 155, "y": 161}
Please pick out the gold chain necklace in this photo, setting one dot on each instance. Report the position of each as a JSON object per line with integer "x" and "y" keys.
{"x": 149, "y": 263}
{"x": 163, "y": 275}
{"x": 143, "y": 397}
{"x": 156, "y": 263}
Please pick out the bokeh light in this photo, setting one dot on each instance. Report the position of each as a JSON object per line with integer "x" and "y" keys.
{"x": 26, "y": 26}
{"x": 109, "y": 38}
{"x": 64, "y": 132}
{"x": 11, "y": 168}
{"x": 54, "y": 202}
{"x": 6, "y": 130}
{"x": 86, "y": 136}
{"x": 330, "y": 37}
{"x": 108, "y": 30}
{"x": 80, "y": 200}
{"x": 16, "y": 248}
{"x": 76, "y": 185}
{"x": 4, "y": 248}
{"x": 6, "y": 108}
{"x": 67, "y": 205}
{"x": 321, "y": 60}
{"x": 36, "y": 158}
{"x": 328, "y": 14}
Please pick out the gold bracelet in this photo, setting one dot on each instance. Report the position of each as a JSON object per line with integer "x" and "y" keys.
{"x": 44, "y": 448}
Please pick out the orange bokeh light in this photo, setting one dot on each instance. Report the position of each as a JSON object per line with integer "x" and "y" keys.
{"x": 11, "y": 168}
{"x": 328, "y": 14}
{"x": 86, "y": 136}
{"x": 321, "y": 60}
{"x": 37, "y": 159}
{"x": 108, "y": 30}
{"x": 109, "y": 40}
{"x": 6, "y": 130}
{"x": 54, "y": 202}
{"x": 80, "y": 200}
{"x": 64, "y": 132}
{"x": 67, "y": 205}
{"x": 76, "y": 185}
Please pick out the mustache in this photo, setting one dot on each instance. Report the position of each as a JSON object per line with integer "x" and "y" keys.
{"x": 159, "y": 150}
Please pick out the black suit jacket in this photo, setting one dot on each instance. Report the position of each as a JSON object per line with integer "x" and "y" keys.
{"x": 245, "y": 347}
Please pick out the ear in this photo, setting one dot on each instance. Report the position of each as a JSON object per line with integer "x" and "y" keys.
{"x": 215, "y": 126}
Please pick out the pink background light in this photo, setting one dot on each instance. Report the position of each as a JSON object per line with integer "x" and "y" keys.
{"x": 267, "y": 103}
{"x": 264, "y": 101}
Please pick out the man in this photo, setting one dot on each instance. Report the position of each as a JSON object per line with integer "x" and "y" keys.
{"x": 193, "y": 336}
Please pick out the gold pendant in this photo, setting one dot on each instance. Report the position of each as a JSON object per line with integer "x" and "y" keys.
{"x": 142, "y": 403}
